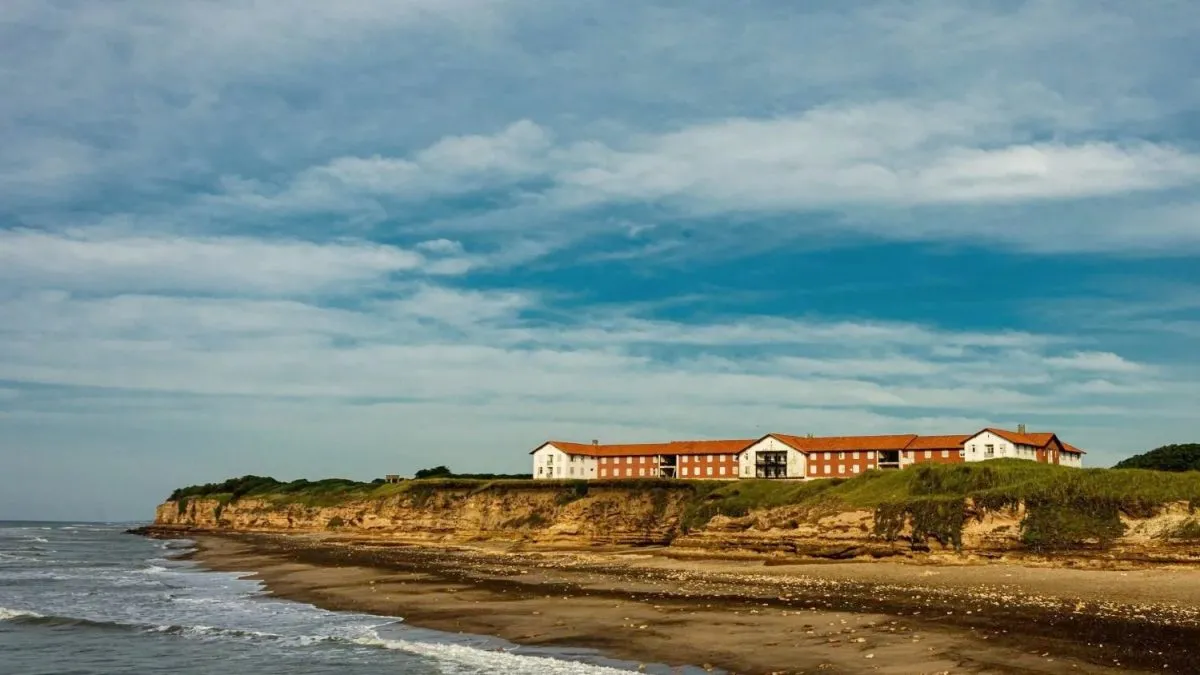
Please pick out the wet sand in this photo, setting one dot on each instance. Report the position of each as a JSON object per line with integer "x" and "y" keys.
{"x": 747, "y": 616}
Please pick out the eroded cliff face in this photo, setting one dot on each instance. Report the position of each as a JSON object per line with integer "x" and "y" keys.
{"x": 621, "y": 516}
{"x": 602, "y": 516}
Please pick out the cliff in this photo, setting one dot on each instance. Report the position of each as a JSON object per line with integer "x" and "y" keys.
{"x": 875, "y": 516}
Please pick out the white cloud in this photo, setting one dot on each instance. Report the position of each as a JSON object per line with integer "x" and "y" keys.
{"x": 440, "y": 246}
{"x": 1095, "y": 361}
{"x": 439, "y": 344}
{"x": 873, "y": 163}
{"x": 95, "y": 260}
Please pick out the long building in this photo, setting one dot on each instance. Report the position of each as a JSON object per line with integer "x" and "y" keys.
{"x": 784, "y": 456}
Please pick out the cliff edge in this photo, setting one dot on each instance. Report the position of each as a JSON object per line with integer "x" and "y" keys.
{"x": 999, "y": 510}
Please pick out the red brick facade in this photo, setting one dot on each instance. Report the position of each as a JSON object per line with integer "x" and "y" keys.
{"x": 714, "y": 466}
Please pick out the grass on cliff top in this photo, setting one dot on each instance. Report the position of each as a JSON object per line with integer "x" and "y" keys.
{"x": 333, "y": 491}
{"x": 995, "y": 483}
{"x": 998, "y": 480}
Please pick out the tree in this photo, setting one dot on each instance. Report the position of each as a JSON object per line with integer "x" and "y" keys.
{"x": 1183, "y": 457}
{"x": 435, "y": 472}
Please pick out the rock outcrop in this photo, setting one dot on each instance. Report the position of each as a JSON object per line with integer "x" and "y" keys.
{"x": 558, "y": 516}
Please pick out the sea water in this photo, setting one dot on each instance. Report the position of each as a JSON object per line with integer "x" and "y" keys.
{"x": 85, "y": 598}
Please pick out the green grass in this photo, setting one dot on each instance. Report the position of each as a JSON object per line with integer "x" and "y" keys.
{"x": 1064, "y": 507}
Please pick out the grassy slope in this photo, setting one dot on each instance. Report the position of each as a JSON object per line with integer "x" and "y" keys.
{"x": 1065, "y": 506}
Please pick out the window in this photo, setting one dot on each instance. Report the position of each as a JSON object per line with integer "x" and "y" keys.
{"x": 870, "y": 454}
{"x": 683, "y": 460}
{"x": 628, "y": 472}
{"x": 540, "y": 470}
{"x": 549, "y": 459}
{"x": 709, "y": 460}
{"x": 928, "y": 454}
{"x": 841, "y": 455}
{"x": 571, "y": 471}
{"x": 642, "y": 472}
{"x": 989, "y": 450}
{"x": 827, "y": 468}
{"x": 629, "y": 460}
{"x": 828, "y": 455}
{"x": 722, "y": 472}
{"x": 710, "y": 470}
{"x": 683, "y": 471}
{"x": 856, "y": 455}
{"x": 962, "y": 453}
{"x": 841, "y": 468}
{"x": 812, "y": 468}
{"x": 745, "y": 471}
{"x": 855, "y": 467}
{"x": 641, "y": 460}
{"x": 604, "y": 460}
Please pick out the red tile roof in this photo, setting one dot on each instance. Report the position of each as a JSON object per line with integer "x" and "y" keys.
{"x": 718, "y": 447}
{"x": 1037, "y": 440}
{"x": 731, "y": 447}
{"x": 1070, "y": 448}
{"x": 937, "y": 442}
{"x": 843, "y": 443}
{"x": 803, "y": 444}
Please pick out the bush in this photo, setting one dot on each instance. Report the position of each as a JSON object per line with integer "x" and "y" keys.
{"x": 1184, "y": 457}
{"x": 1059, "y": 524}
{"x": 435, "y": 472}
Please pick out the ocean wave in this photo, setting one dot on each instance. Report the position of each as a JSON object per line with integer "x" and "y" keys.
{"x": 30, "y": 618}
{"x": 214, "y": 631}
{"x": 35, "y": 619}
{"x": 7, "y": 614}
{"x": 498, "y": 660}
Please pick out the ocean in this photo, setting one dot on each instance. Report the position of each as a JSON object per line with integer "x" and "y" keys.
{"x": 78, "y": 598}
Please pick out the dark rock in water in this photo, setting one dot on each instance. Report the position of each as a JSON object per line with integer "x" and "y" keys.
{"x": 160, "y": 532}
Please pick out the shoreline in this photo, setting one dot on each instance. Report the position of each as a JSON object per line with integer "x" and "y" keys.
{"x": 742, "y": 616}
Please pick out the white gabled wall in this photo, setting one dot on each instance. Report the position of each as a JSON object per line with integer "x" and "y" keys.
{"x": 976, "y": 447}
{"x": 1070, "y": 459}
{"x": 551, "y": 463}
{"x": 795, "y": 458}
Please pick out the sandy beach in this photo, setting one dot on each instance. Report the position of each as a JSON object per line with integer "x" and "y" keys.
{"x": 748, "y": 616}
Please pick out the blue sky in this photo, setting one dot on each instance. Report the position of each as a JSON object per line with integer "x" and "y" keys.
{"x": 365, "y": 237}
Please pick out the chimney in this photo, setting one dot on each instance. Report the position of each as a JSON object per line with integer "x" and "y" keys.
{"x": 810, "y": 436}
{"x": 1021, "y": 429}
{"x": 595, "y": 442}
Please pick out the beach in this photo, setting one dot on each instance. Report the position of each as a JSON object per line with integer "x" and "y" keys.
{"x": 754, "y": 615}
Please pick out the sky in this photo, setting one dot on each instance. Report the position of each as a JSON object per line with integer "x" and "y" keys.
{"x": 310, "y": 239}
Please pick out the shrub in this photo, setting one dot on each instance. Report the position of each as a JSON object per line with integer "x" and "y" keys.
{"x": 578, "y": 490}
{"x": 435, "y": 472}
{"x": 1051, "y": 524}
{"x": 1183, "y": 457}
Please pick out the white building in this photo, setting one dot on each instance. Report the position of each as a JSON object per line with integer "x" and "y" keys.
{"x": 792, "y": 457}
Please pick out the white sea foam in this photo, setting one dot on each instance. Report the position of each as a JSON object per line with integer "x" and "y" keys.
{"x": 489, "y": 661}
{"x": 7, "y": 614}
